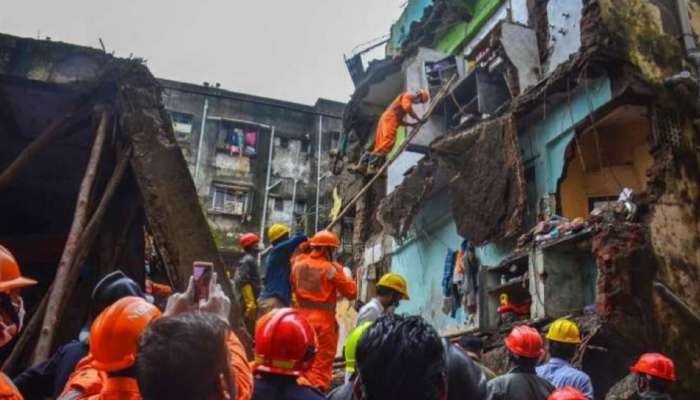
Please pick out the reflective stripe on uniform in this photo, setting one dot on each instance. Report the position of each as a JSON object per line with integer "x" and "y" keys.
{"x": 316, "y": 306}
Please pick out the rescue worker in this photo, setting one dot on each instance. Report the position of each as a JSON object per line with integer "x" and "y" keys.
{"x": 350, "y": 349}
{"x": 277, "y": 292}
{"x": 114, "y": 338}
{"x": 474, "y": 347}
{"x": 391, "y": 289}
{"x": 563, "y": 339}
{"x": 402, "y": 358}
{"x": 389, "y": 123}
{"x": 656, "y": 373}
{"x": 192, "y": 353}
{"x": 11, "y": 312}
{"x": 159, "y": 291}
{"x": 567, "y": 393}
{"x": 48, "y": 378}
{"x": 247, "y": 277}
{"x": 316, "y": 281}
{"x": 525, "y": 348}
{"x": 285, "y": 346}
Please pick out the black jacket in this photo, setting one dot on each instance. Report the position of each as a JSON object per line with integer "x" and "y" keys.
{"x": 48, "y": 378}
{"x": 465, "y": 378}
{"x": 519, "y": 384}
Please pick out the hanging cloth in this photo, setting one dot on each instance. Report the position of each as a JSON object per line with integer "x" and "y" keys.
{"x": 471, "y": 282}
{"x": 251, "y": 138}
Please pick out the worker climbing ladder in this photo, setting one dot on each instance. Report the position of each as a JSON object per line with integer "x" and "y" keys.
{"x": 444, "y": 90}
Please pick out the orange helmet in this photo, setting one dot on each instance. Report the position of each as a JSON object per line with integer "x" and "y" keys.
{"x": 657, "y": 365}
{"x": 10, "y": 275}
{"x": 525, "y": 341}
{"x": 567, "y": 393}
{"x": 424, "y": 95}
{"x": 325, "y": 239}
{"x": 249, "y": 239}
{"x": 285, "y": 343}
{"x": 114, "y": 336}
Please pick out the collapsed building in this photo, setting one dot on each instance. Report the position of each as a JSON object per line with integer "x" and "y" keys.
{"x": 90, "y": 172}
{"x": 564, "y": 153}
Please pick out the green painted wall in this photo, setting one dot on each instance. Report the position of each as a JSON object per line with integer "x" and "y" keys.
{"x": 453, "y": 40}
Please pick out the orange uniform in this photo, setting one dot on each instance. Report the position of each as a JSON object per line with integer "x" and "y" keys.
{"x": 8, "y": 391}
{"x": 316, "y": 282}
{"x": 89, "y": 383}
{"x": 119, "y": 389}
{"x": 390, "y": 121}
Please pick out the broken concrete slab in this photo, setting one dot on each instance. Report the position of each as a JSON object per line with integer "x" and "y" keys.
{"x": 488, "y": 188}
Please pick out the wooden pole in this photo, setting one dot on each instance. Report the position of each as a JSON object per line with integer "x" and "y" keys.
{"x": 89, "y": 234}
{"x": 9, "y": 174}
{"x": 59, "y": 289}
{"x": 48, "y": 135}
{"x": 444, "y": 90}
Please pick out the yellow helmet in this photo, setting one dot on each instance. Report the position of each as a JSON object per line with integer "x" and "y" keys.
{"x": 350, "y": 348}
{"x": 276, "y": 231}
{"x": 395, "y": 282}
{"x": 564, "y": 331}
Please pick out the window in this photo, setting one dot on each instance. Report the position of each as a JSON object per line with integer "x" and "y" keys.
{"x": 237, "y": 139}
{"x": 284, "y": 142}
{"x": 182, "y": 124}
{"x": 279, "y": 204}
{"x": 229, "y": 201}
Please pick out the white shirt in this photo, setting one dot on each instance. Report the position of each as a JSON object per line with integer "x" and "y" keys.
{"x": 370, "y": 311}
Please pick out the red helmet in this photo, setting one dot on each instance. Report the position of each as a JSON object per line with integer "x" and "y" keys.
{"x": 657, "y": 365}
{"x": 249, "y": 239}
{"x": 525, "y": 341}
{"x": 325, "y": 239}
{"x": 285, "y": 343}
{"x": 567, "y": 393}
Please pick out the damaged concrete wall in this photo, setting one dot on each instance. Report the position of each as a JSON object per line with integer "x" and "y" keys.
{"x": 544, "y": 143}
{"x": 487, "y": 170}
{"x": 674, "y": 223}
{"x": 396, "y": 211}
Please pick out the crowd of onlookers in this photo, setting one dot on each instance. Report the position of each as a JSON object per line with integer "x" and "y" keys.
{"x": 131, "y": 350}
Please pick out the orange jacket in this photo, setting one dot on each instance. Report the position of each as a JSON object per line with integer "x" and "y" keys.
{"x": 315, "y": 280}
{"x": 8, "y": 391}
{"x": 119, "y": 389}
{"x": 84, "y": 382}
{"x": 402, "y": 105}
{"x": 87, "y": 381}
{"x": 389, "y": 122}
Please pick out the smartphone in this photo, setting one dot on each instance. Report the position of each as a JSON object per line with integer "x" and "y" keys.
{"x": 201, "y": 271}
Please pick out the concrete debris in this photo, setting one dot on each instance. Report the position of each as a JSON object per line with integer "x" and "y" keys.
{"x": 487, "y": 170}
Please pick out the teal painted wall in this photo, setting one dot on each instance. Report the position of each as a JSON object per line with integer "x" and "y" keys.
{"x": 412, "y": 13}
{"x": 545, "y": 142}
{"x": 421, "y": 261}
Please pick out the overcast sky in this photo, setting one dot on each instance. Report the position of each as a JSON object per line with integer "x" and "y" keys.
{"x": 287, "y": 49}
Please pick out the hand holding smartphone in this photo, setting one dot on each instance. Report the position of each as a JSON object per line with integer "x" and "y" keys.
{"x": 201, "y": 271}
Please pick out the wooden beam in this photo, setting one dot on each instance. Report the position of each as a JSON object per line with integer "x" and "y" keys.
{"x": 53, "y": 131}
{"x": 59, "y": 292}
